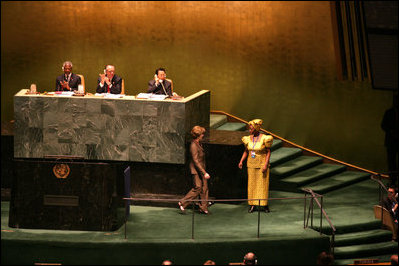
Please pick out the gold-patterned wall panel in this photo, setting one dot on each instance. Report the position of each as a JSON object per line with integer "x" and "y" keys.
{"x": 272, "y": 59}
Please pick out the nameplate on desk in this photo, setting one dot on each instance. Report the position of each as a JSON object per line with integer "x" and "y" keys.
{"x": 60, "y": 200}
{"x": 365, "y": 261}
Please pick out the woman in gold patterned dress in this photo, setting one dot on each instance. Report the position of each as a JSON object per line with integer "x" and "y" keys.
{"x": 257, "y": 149}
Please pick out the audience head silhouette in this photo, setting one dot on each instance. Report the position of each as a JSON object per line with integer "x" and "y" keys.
{"x": 325, "y": 258}
{"x": 167, "y": 262}
{"x": 394, "y": 260}
{"x": 250, "y": 259}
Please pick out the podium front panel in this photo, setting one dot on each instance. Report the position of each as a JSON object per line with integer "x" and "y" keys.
{"x": 98, "y": 128}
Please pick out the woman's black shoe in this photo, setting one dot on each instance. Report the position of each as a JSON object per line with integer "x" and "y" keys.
{"x": 266, "y": 209}
{"x": 204, "y": 212}
{"x": 251, "y": 209}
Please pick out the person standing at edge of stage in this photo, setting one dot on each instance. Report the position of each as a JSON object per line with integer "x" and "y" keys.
{"x": 390, "y": 125}
{"x": 68, "y": 81}
{"x": 109, "y": 82}
{"x": 257, "y": 146}
{"x": 198, "y": 172}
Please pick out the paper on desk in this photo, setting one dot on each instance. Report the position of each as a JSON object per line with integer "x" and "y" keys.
{"x": 151, "y": 96}
{"x": 113, "y": 96}
{"x": 143, "y": 95}
{"x": 65, "y": 93}
{"x": 110, "y": 95}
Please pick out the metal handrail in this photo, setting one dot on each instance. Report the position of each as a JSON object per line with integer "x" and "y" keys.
{"x": 380, "y": 187}
{"x": 127, "y": 201}
{"x": 379, "y": 181}
{"x": 323, "y": 212}
{"x": 290, "y": 143}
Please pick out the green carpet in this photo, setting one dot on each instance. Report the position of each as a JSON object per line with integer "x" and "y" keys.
{"x": 349, "y": 197}
{"x": 157, "y": 233}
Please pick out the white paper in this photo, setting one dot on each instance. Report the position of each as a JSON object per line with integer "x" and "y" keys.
{"x": 151, "y": 96}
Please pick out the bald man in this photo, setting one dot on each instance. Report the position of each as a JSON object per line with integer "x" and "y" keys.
{"x": 109, "y": 82}
{"x": 250, "y": 259}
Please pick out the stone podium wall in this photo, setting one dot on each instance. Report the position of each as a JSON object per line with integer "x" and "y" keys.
{"x": 87, "y": 197}
{"x": 97, "y": 128}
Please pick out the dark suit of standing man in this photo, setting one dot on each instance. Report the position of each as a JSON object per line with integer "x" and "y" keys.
{"x": 160, "y": 85}
{"x": 68, "y": 81}
{"x": 109, "y": 82}
{"x": 390, "y": 125}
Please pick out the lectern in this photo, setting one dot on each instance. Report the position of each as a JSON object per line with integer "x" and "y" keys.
{"x": 67, "y": 194}
{"x": 107, "y": 134}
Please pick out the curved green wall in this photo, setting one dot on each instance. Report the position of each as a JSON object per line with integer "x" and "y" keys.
{"x": 270, "y": 60}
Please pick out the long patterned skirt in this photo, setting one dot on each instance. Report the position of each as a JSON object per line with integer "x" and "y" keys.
{"x": 258, "y": 186}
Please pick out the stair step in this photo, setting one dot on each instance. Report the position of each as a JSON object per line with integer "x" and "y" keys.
{"x": 233, "y": 126}
{"x": 283, "y": 154}
{"x": 216, "y": 120}
{"x": 381, "y": 258}
{"x": 276, "y": 144}
{"x": 349, "y": 227}
{"x": 295, "y": 165}
{"x": 364, "y": 237}
{"x": 340, "y": 180}
{"x": 314, "y": 174}
{"x": 363, "y": 250}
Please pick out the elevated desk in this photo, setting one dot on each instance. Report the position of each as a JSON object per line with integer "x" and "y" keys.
{"x": 98, "y": 128}
{"x": 108, "y": 131}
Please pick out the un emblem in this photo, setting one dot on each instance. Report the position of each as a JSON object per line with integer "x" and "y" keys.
{"x": 61, "y": 170}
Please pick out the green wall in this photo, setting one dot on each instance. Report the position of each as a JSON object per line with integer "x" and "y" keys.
{"x": 271, "y": 60}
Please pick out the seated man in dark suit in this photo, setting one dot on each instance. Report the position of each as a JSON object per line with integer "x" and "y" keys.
{"x": 68, "y": 81}
{"x": 109, "y": 82}
{"x": 160, "y": 85}
{"x": 391, "y": 203}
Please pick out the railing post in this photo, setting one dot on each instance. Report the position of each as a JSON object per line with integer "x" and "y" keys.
{"x": 380, "y": 194}
{"x": 321, "y": 214}
{"x": 126, "y": 215}
{"x": 311, "y": 207}
{"x": 307, "y": 218}
{"x": 192, "y": 223}
{"x": 258, "y": 218}
{"x": 304, "y": 213}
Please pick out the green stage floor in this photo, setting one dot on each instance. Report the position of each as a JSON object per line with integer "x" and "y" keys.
{"x": 157, "y": 233}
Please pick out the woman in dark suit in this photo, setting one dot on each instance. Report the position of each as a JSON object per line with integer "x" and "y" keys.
{"x": 198, "y": 172}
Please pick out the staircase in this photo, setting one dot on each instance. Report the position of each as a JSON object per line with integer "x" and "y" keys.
{"x": 292, "y": 168}
{"x": 368, "y": 244}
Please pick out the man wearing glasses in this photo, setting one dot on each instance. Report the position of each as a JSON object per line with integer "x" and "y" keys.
{"x": 391, "y": 204}
{"x": 160, "y": 85}
{"x": 109, "y": 82}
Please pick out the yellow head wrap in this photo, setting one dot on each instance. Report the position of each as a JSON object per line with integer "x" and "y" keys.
{"x": 256, "y": 123}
